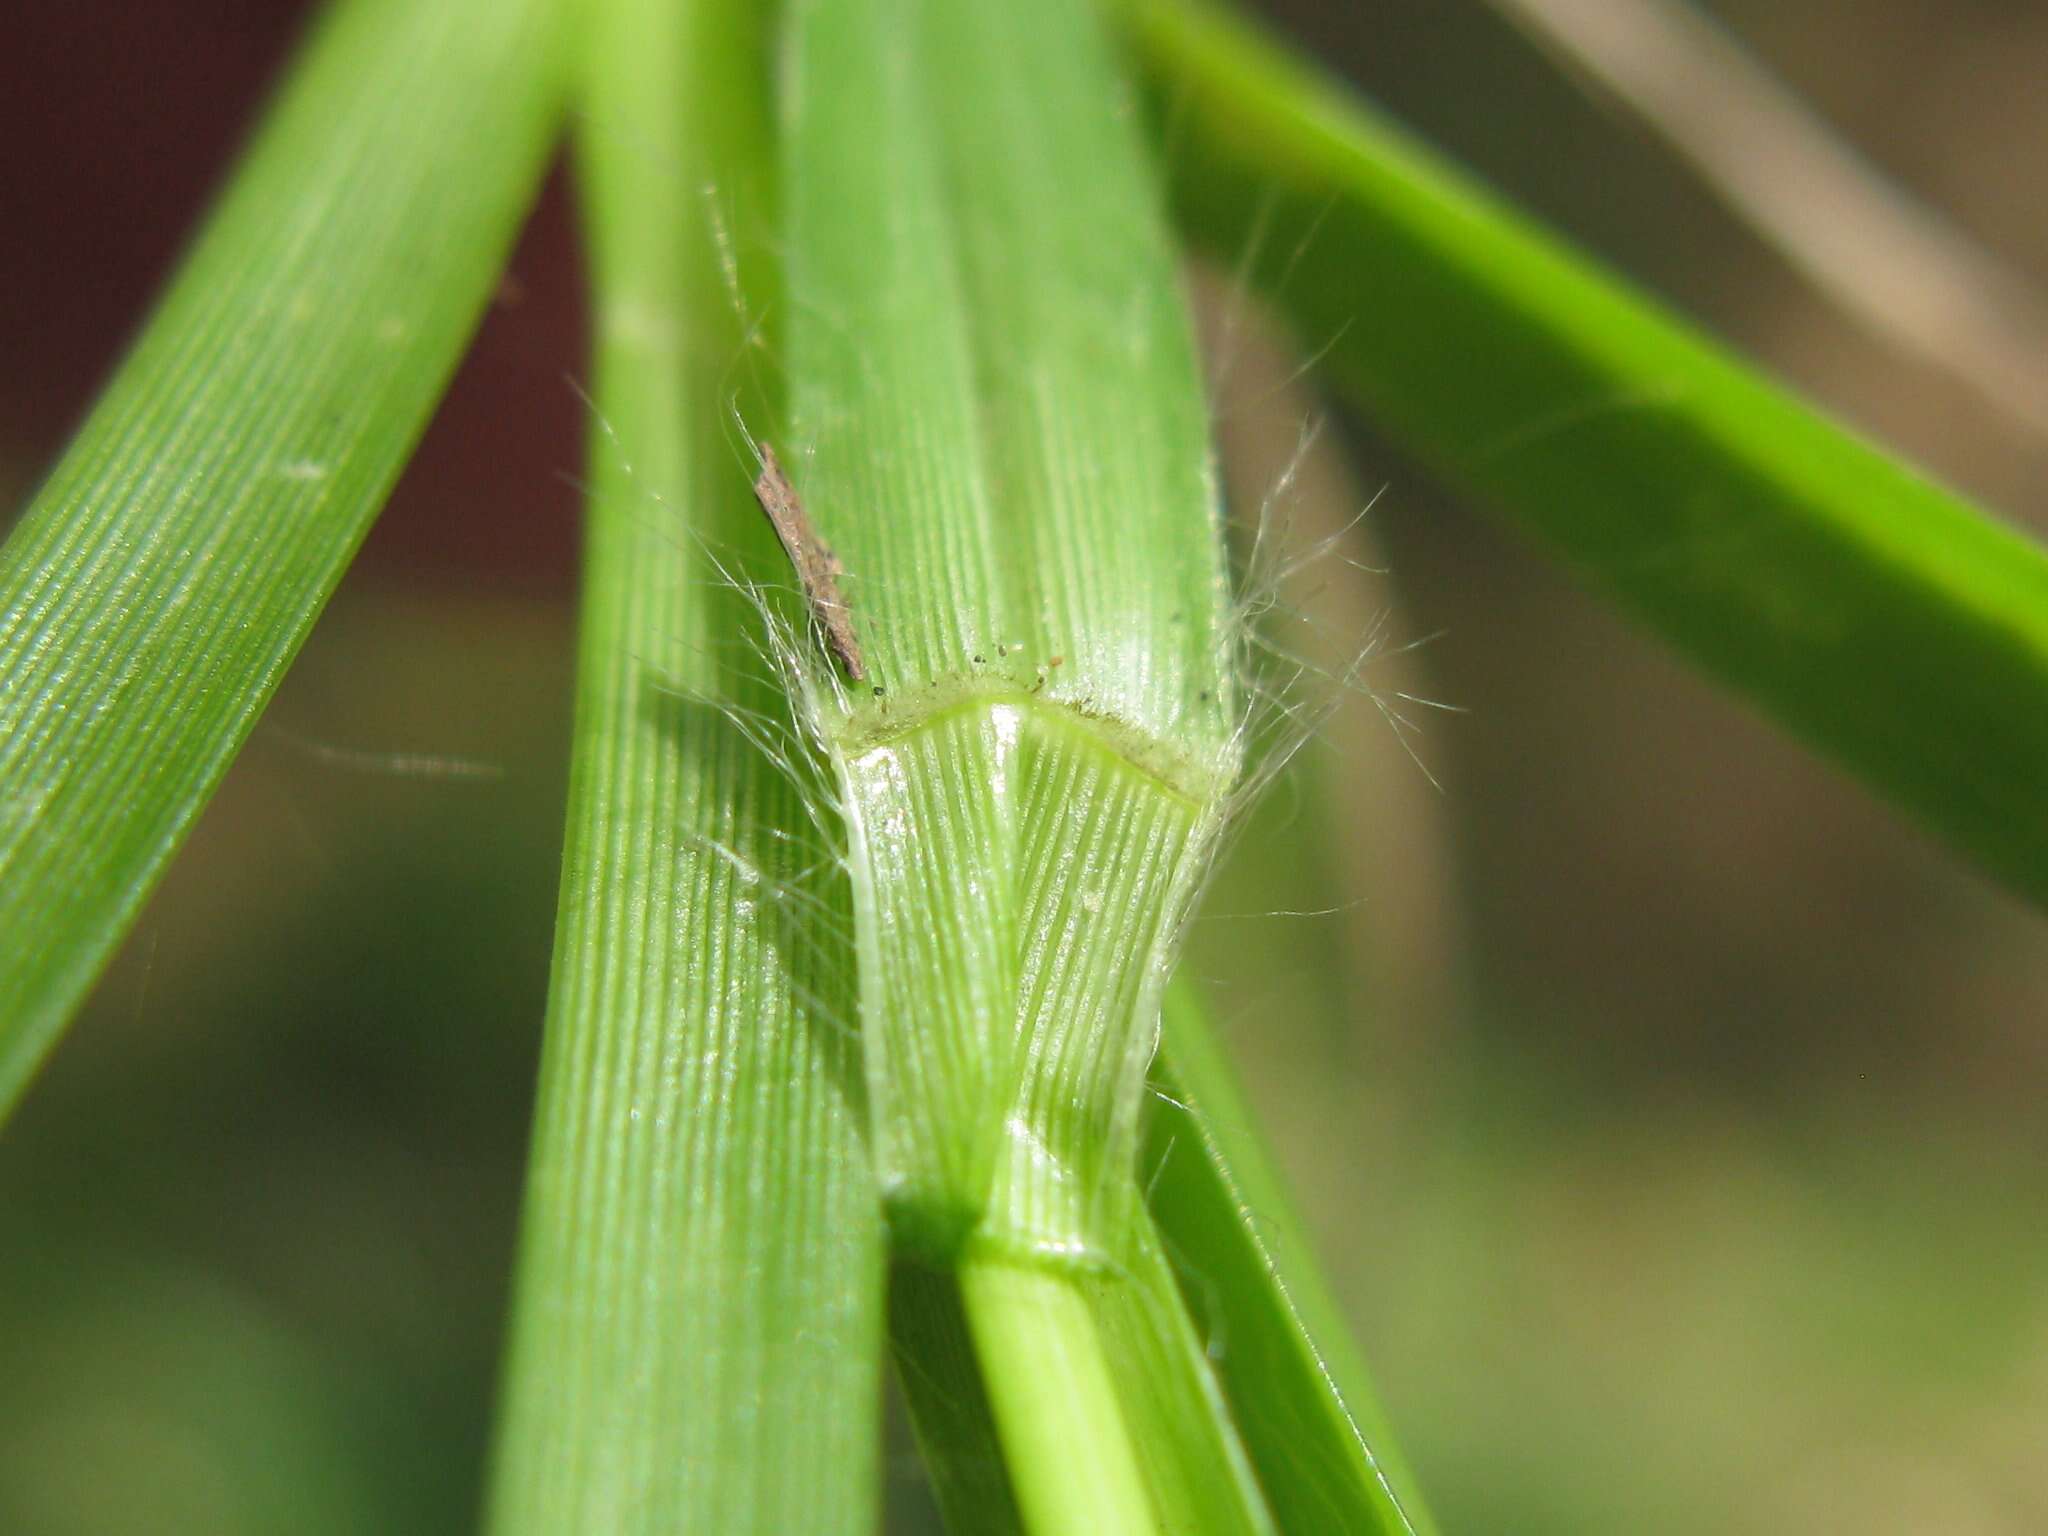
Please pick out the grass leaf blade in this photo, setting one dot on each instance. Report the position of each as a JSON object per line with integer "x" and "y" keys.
{"x": 697, "y": 1332}
{"x": 1306, "y": 1408}
{"x": 1872, "y": 612}
{"x": 168, "y": 570}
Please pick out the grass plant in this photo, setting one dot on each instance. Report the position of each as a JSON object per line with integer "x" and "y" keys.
{"x": 854, "y": 1037}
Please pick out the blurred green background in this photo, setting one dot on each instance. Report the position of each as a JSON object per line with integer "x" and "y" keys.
{"x": 1667, "y": 1111}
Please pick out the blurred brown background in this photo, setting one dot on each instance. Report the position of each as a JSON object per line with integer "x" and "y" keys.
{"x": 1668, "y": 1111}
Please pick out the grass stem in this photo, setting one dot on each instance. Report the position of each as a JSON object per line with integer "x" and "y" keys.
{"x": 1055, "y": 1403}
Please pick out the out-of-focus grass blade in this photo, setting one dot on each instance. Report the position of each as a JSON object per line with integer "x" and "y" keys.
{"x": 997, "y": 423}
{"x": 1872, "y": 612}
{"x": 697, "y": 1334}
{"x": 1298, "y": 1390}
{"x": 167, "y": 571}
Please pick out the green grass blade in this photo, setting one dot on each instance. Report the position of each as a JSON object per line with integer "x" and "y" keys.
{"x": 1873, "y": 613}
{"x": 168, "y": 570}
{"x": 697, "y": 1333}
{"x": 1306, "y": 1408}
{"x": 997, "y": 423}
